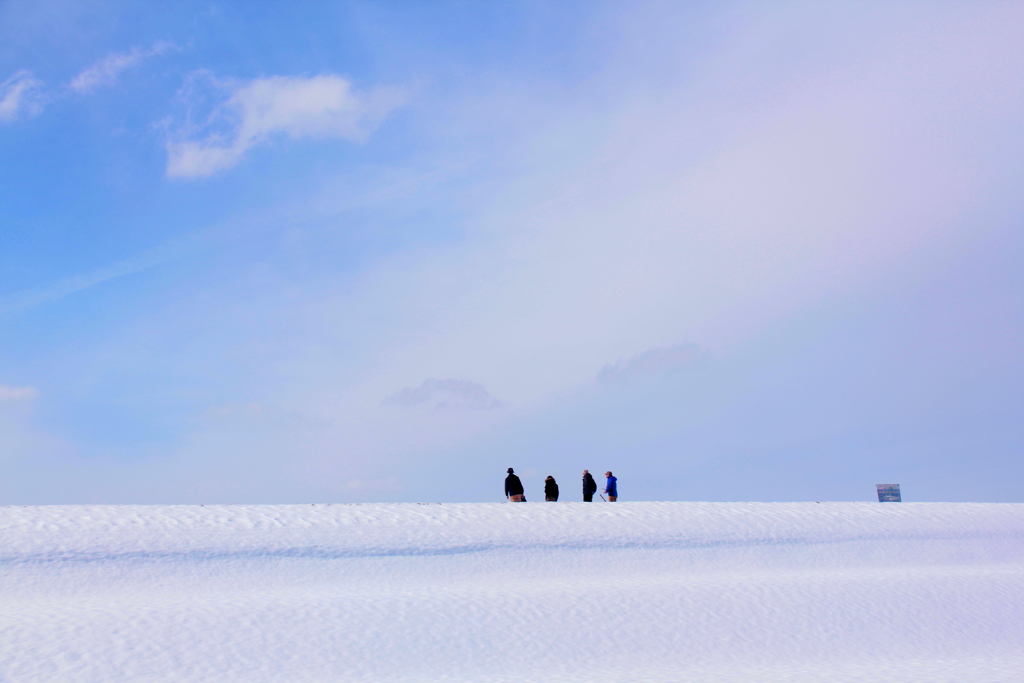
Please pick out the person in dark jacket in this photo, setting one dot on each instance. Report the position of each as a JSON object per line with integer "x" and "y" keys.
{"x": 611, "y": 487}
{"x": 589, "y": 487}
{"x": 514, "y": 488}
{"x": 550, "y": 490}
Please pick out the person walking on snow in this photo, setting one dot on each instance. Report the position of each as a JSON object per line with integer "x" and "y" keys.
{"x": 514, "y": 488}
{"x": 589, "y": 487}
{"x": 550, "y": 490}
{"x": 611, "y": 487}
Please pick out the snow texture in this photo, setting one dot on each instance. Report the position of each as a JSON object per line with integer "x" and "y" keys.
{"x": 498, "y": 592}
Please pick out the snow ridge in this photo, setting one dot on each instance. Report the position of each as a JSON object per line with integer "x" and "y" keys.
{"x": 501, "y": 592}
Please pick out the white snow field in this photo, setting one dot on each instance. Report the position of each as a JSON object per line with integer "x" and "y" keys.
{"x": 750, "y": 592}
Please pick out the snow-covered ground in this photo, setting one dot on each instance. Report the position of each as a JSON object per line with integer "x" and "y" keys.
{"x": 749, "y": 592}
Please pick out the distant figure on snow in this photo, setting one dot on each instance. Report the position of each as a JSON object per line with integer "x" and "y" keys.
{"x": 550, "y": 490}
{"x": 611, "y": 487}
{"x": 589, "y": 487}
{"x": 514, "y": 488}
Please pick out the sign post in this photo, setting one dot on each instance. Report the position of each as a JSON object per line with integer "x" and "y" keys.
{"x": 888, "y": 493}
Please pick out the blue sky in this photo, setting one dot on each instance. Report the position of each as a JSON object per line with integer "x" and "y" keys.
{"x": 383, "y": 251}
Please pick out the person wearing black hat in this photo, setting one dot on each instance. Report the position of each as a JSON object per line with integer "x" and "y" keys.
{"x": 514, "y": 488}
{"x": 589, "y": 487}
{"x": 550, "y": 490}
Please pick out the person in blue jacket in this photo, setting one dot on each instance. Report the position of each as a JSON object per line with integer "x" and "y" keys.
{"x": 611, "y": 487}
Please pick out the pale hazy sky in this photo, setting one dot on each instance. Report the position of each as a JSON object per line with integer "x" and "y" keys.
{"x": 383, "y": 251}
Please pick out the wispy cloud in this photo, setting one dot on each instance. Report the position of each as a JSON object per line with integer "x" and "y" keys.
{"x": 105, "y": 71}
{"x": 446, "y": 393}
{"x": 35, "y": 297}
{"x": 18, "y": 393}
{"x": 653, "y": 362}
{"x": 298, "y": 107}
{"x": 20, "y": 96}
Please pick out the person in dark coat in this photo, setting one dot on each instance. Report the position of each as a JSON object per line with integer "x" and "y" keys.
{"x": 611, "y": 487}
{"x": 550, "y": 490}
{"x": 514, "y": 488}
{"x": 589, "y": 487}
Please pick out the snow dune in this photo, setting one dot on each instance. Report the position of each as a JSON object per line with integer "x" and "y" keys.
{"x": 498, "y": 592}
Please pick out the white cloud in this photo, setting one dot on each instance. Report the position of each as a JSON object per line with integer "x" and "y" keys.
{"x": 106, "y": 70}
{"x": 446, "y": 393}
{"x": 314, "y": 107}
{"x": 18, "y": 393}
{"x": 19, "y": 95}
{"x": 653, "y": 362}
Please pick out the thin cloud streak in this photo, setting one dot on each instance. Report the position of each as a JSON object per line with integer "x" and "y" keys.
{"x": 106, "y": 71}
{"x": 33, "y": 298}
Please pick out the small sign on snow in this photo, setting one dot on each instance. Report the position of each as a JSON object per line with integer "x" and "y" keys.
{"x": 888, "y": 493}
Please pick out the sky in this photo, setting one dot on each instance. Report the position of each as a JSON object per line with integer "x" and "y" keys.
{"x": 355, "y": 252}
